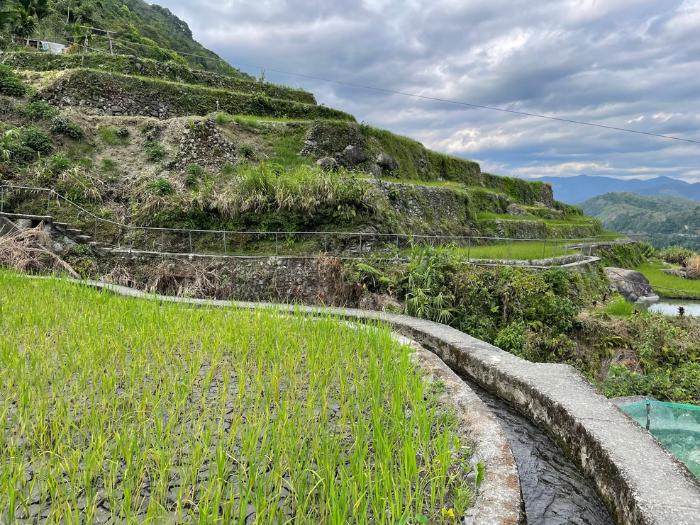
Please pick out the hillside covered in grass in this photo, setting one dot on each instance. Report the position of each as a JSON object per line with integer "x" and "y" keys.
{"x": 153, "y": 136}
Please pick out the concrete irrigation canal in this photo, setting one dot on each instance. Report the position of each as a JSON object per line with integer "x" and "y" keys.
{"x": 554, "y": 490}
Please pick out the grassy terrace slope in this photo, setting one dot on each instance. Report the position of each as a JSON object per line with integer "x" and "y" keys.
{"x": 132, "y": 65}
{"x": 133, "y": 410}
{"x": 134, "y": 95}
{"x": 670, "y": 286}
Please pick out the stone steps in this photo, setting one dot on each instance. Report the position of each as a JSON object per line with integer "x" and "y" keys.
{"x": 60, "y": 229}
{"x": 38, "y": 218}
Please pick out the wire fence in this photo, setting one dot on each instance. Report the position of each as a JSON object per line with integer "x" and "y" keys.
{"x": 48, "y": 204}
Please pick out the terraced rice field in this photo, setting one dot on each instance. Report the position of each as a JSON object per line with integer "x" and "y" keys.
{"x": 669, "y": 285}
{"x": 517, "y": 250}
{"x": 128, "y": 411}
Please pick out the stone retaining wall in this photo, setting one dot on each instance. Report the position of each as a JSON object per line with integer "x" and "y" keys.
{"x": 115, "y": 94}
{"x": 310, "y": 280}
{"x": 641, "y": 483}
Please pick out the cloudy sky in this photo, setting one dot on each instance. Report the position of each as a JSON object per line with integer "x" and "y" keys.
{"x": 627, "y": 63}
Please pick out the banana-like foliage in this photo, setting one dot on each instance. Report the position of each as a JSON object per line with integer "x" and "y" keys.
{"x": 21, "y": 16}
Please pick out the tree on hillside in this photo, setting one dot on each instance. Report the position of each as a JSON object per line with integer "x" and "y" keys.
{"x": 79, "y": 11}
{"x": 21, "y": 16}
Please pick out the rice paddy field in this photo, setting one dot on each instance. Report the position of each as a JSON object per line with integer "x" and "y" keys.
{"x": 669, "y": 285}
{"x": 116, "y": 410}
{"x": 517, "y": 250}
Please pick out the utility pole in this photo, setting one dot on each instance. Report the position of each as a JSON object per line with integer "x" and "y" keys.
{"x": 85, "y": 46}
{"x": 99, "y": 32}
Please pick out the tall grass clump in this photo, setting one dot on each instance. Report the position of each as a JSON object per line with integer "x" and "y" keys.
{"x": 676, "y": 254}
{"x": 136, "y": 411}
{"x": 303, "y": 190}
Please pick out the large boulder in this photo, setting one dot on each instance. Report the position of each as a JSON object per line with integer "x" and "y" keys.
{"x": 353, "y": 155}
{"x": 387, "y": 162}
{"x": 515, "y": 209}
{"x": 632, "y": 285}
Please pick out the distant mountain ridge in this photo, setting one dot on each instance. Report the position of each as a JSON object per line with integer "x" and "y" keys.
{"x": 575, "y": 190}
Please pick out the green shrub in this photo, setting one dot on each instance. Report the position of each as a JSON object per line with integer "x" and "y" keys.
{"x": 626, "y": 255}
{"x": 222, "y": 118}
{"x": 10, "y": 84}
{"x": 512, "y": 338}
{"x": 66, "y": 127}
{"x": 519, "y": 308}
{"x": 195, "y": 170}
{"x": 428, "y": 290}
{"x": 36, "y": 140}
{"x": 58, "y": 163}
{"x": 194, "y": 173}
{"x": 161, "y": 187}
{"x": 154, "y": 151}
{"x": 676, "y": 254}
{"x": 368, "y": 277}
{"x": 667, "y": 383}
{"x": 619, "y": 307}
{"x": 38, "y": 110}
{"x": 246, "y": 151}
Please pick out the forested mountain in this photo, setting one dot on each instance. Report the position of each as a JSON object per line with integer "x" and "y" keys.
{"x": 666, "y": 220}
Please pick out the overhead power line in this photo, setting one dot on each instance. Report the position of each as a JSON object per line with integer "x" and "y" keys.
{"x": 445, "y": 100}
{"x": 480, "y": 106}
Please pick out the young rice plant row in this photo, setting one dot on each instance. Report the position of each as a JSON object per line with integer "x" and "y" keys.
{"x": 136, "y": 411}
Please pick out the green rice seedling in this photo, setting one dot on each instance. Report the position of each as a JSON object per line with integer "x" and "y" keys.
{"x": 619, "y": 307}
{"x": 154, "y": 412}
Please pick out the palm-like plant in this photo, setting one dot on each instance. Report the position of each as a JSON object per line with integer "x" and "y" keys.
{"x": 22, "y": 16}
{"x": 6, "y": 144}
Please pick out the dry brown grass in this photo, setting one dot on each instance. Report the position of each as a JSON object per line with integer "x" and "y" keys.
{"x": 692, "y": 267}
{"x": 186, "y": 280}
{"x": 30, "y": 250}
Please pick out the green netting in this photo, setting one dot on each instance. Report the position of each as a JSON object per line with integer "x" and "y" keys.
{"x": 676, "y": 426}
